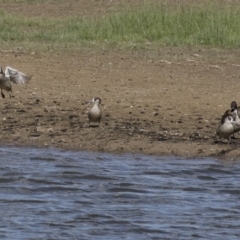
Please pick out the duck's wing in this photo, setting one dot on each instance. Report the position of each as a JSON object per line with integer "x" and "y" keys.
{"x": 16, "y": 76}
{"x": 226, "y": 115}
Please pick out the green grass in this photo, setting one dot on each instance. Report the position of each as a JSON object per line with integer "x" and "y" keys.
{"x": 31, "y": 1}
{"x": 207, "y": 25}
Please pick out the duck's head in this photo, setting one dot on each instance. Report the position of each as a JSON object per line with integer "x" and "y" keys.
{"x": 95, "y": 100}
{"x": 233, "y": 106}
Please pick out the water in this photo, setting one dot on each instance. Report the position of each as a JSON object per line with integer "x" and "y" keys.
{"x": 54, "y": 194}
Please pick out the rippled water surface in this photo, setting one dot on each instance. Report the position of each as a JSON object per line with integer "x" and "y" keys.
{"x": 53, "y": 194}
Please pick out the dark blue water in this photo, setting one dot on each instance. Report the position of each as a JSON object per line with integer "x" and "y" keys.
{"x": 54, "y": 194}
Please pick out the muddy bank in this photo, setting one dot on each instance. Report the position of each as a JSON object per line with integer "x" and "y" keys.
{"x": 166, "y": 102}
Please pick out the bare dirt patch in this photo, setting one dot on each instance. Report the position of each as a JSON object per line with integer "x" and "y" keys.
{"x": 162, "y": 101}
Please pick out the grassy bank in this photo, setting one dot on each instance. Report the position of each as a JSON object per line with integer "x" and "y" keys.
{"x": 206, "y": 25}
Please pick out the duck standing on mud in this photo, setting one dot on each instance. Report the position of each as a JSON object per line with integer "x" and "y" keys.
{"x": 11, "y": 75}
{"x": 95, "y": 113}
{"x": 228, "y": 127}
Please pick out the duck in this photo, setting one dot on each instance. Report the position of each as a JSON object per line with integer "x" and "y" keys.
{"x": 236, "y": 110}
{"x": 10, "y": 76}
{"x": 230, "y": 112}
{"x": 227, "y": 128}
{"x": 226, "y": 114}
{"x": 95, "y": 113}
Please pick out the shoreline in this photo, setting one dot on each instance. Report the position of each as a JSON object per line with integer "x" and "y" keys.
{"x": 193, "y": 150}
{"x": 168, "y": 103}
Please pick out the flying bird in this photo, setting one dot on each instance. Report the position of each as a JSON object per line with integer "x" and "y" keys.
{"x": 10, "y": 76}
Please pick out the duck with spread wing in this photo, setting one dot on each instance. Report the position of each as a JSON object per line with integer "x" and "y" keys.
{"x": 10, "y": 76}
